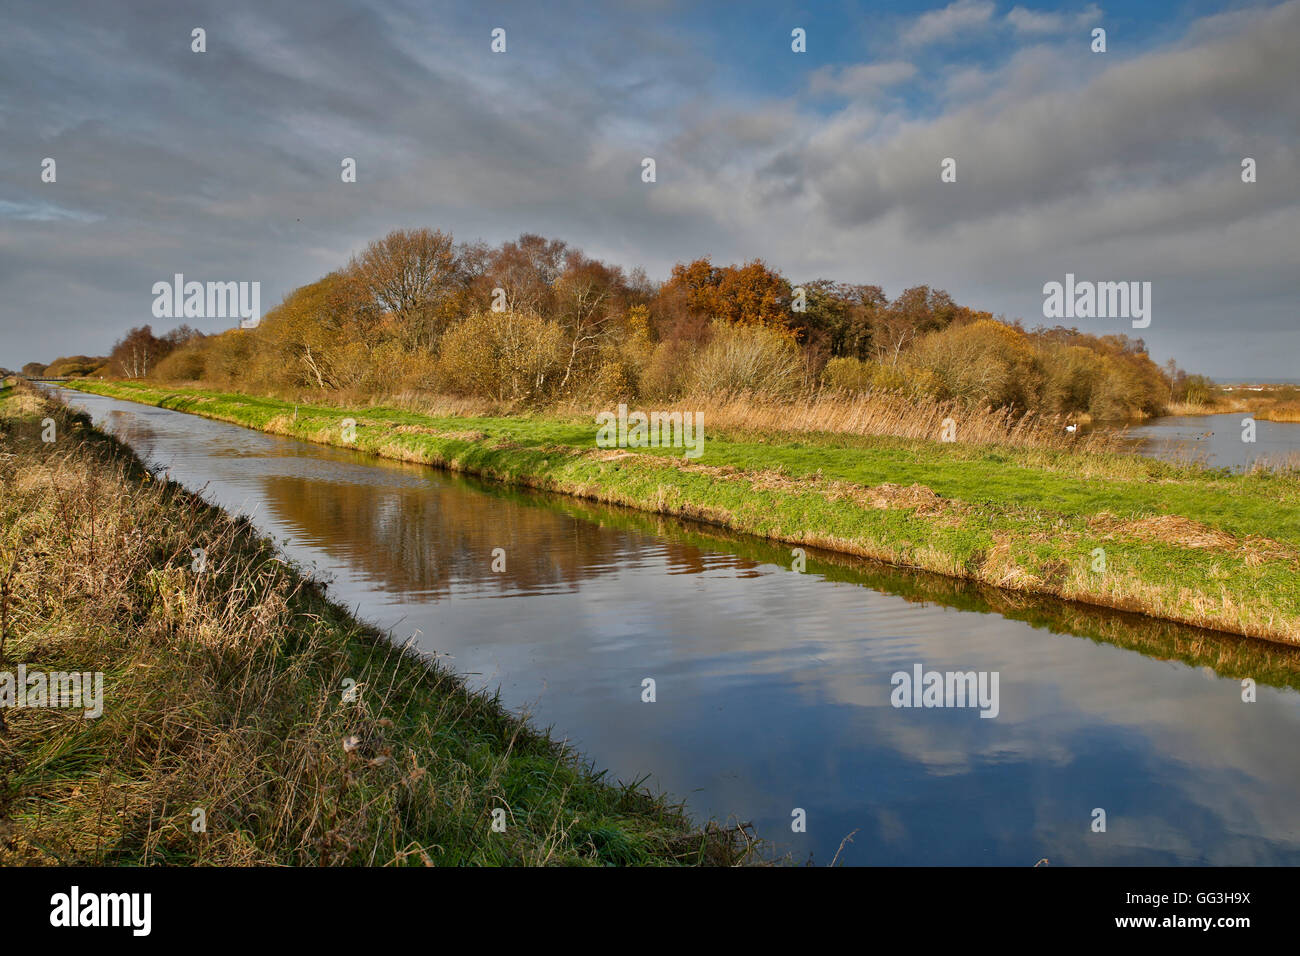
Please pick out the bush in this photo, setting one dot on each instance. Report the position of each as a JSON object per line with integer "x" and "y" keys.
{"x": 229, "y": 355}
{"x": 1196, "y": 390}
{"x": 748, "y": 360}
{"x": 77, "y": 366}
{"x": 507, "y": 356}
{"x": 186, "y": 364}
{"x": 392, "y": 367}
{"x": 847, "y": 375}
{"x": 615, "y": 379}
{"x": 1073, "y": 376}
{"x": 983, "y": 363}
{"x": 667, "y": 372}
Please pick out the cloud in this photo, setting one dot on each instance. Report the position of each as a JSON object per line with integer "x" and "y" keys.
{"x": 1108, "y": 167}
{"x": 42, "y": 212}
{"x": 1129, "y": 139}
{"x": 1024, "y": 20}
{"x": 941, "y": 25}
{"x": 864, "y": 79}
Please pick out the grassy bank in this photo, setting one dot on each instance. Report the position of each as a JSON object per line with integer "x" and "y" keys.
{"x": 225, "y": 691}
{"x": 1181, "y": 543}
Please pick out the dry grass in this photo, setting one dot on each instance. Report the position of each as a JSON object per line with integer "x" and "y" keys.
{"x": 1219, "y": 405}
{"x": 892, "y": 414}
{"x": 1185, "y": 533}
{"x": 1280, "y": 412}
{"x": 865, "y": 413}
{"x": 1287, "y": 464}
{"x": 434, "y": 405}
{"x": 1278, "y": 403}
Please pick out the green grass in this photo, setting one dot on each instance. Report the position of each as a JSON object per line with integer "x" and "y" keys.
{"x": 1219, "y": 549}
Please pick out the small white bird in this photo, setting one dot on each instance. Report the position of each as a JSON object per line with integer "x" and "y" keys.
{"x": 1071, "y": 428}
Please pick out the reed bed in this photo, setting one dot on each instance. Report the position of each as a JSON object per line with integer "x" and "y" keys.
{"x": 1281, "y": 412}
{"x": 897, "y": 415}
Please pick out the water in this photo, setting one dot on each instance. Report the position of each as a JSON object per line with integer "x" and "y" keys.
{"x": 1215, "y": 440}
{"x": 773, "y": 688}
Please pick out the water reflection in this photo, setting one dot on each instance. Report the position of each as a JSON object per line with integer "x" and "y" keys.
{"x": 773, "y": 687}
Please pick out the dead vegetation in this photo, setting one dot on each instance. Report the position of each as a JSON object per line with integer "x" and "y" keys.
{"x": 896, "y": 415}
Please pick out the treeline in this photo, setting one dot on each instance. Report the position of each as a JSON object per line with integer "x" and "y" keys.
{"x": 535, "y": 320}
{"x": 135, "y": 355}
{"x": 68, "y": 366}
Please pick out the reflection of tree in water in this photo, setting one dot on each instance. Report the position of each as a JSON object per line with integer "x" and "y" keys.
{"x": 429, "y": 537}
{"x": 131, "y": 430}
{"x": 1227, "y": 654}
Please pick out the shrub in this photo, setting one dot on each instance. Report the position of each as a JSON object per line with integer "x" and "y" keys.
{"x": 186, "y": 364}
{"x": 667, "y": 372}
{"x": 76, "y": 366}
{"x": 847, "y": 374}
{"x": 507, "y": 356}
{"x": 228, "y": 358}
{"x": 1197, "y": 390}
{"x": 615, "y": 379}
{"x": 1073, "y": 374}
{"x": 748, "y": 360}
{"x": 983, "y": 363}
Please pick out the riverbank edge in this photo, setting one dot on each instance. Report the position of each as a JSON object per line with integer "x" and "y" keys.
{"x": 829, "y": 515}
{"x": 569, "y": 814}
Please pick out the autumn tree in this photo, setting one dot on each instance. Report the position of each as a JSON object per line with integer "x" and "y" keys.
{"x": 838, "y": 317}
{"x": 589, "y": 299}
{"x": 324, "y": 334}
{"x": 985, "y": 363}
{"x": 509, "y": 356}
{"x": 137, "y": 352}
{"x": 916, "y": 312}
{"x": 525, "y": 270}
{"x": 751, "y": 294}
{"x": 180, "y": 336}
{"x": 419, "y": 277}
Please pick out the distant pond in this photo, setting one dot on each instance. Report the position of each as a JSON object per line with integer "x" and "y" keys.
{"x": 1215, "y": 440}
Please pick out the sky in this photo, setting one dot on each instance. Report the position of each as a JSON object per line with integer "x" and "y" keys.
{"x": 225, "y": 165}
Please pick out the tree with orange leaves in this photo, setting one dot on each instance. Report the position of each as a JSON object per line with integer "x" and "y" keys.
{"x": 751, "y": 294}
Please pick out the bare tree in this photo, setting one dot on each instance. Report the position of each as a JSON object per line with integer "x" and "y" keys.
{"x": 138, "y": 351}
{"x": 526, "y": 270}
{"x": 419, "y": 277}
